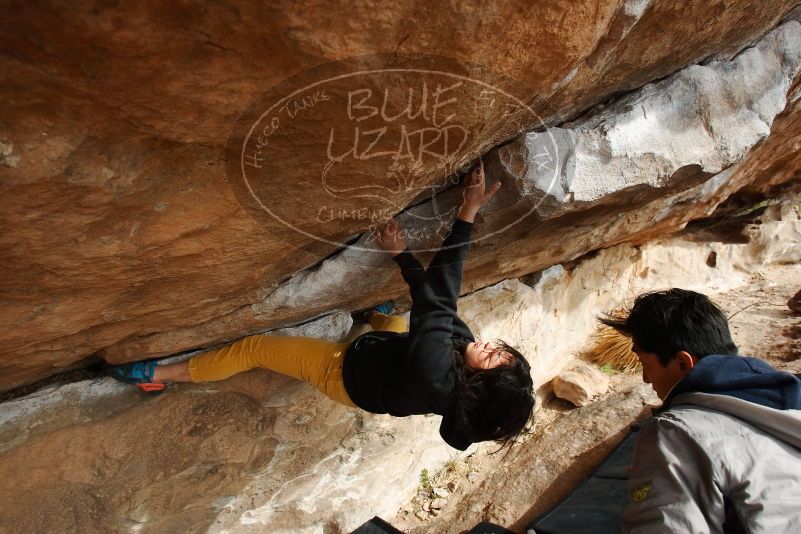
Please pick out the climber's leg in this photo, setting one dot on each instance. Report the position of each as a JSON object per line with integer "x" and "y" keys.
{"x": 315, "y": 361}
{"x": 388, "y": 323}
{"x": 174, "y": 372}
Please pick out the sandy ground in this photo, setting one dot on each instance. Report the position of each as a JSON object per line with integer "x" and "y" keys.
{"x": 566, "y": 444}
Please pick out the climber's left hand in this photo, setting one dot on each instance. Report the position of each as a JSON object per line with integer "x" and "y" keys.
{"x": 390, "y": 237}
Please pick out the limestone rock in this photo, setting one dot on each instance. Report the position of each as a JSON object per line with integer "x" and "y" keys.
{"x": 539, "y": 315}
{"x": 795, "y": 302}
{"x": 441, "y": 492}
{"x": 580, "y": 383}
{"x": 722, "y": 109}
{"x": 438, "y": 503}
{"x": 122, "y": 237}
{"x": 510, "y": 243}
{"x": 263, "y": 453}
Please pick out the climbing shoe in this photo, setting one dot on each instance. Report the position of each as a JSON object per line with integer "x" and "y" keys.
{"x": 138, "y": 373}
{"x": 386, "y": 308}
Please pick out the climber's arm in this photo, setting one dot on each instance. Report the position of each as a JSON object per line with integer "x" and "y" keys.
{"x": 390, "y": 238}
{"x": 411, "y": 269}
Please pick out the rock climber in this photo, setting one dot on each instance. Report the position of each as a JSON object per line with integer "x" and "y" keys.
{"x": 482, "y": 390}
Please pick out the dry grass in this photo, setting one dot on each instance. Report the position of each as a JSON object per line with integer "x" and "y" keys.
{"x": 448, "y": 476}
{"x": 613, "y": 349}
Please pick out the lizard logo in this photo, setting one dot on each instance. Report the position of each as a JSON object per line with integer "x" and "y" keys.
{"x": 639, "y": 493}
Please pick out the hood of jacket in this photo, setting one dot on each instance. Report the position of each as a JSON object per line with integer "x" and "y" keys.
{"x": 741, "y": 377}
{"x": 746, "y": 388}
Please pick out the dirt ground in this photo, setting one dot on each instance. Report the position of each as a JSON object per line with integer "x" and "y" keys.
{"x": 566, "y": 444}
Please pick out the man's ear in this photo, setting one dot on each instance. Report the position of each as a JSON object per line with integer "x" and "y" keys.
{"x": 686, "y": 360}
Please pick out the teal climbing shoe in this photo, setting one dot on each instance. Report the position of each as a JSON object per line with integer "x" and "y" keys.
{"x": 138, "y": 373}
{"x": 386, "y": 308}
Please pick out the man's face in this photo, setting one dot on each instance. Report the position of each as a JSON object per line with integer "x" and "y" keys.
{"x": 662, "y": 379}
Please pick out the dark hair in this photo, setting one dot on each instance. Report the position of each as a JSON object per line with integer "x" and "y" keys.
{"x": 498, "y": 402}
{"x": 666, "y": 322}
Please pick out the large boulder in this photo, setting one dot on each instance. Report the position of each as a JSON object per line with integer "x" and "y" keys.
{"x": 264, "y": 453}
{"x": 124, "y": 237}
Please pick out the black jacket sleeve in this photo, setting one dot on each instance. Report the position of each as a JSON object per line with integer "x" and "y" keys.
{"x": 411, "y": 269}
{"x": 433, "y": 311}
{"x": 413, "y": 272}
{"x": 461, "y": 330}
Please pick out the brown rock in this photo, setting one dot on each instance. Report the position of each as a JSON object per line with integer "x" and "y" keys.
{"x": 121, "y": 235}
{"x": 795, "y": 303}
{"x": 438, "y": 503}
{"x": 580, "y": 384}
{"x": 234, "y": 444}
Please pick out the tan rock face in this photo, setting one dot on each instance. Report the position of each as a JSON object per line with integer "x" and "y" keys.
{"x": 795, "y": 302}
{"x": 264, "y": 453}
{"x": 122, "y": 235}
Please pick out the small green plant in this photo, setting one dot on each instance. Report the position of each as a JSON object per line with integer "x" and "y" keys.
{"x": 758, "y": 206}
{"x": 425, "y": 480}
{"x": 607, "y": 369}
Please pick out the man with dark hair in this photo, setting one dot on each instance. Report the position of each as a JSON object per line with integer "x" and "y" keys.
{"x": 723, "y": 453}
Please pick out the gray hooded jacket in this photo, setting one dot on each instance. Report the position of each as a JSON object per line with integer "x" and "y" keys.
{"x": 713, "y": 462}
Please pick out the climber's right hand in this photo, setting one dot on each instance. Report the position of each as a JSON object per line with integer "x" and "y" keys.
{"x": 475, "y": 193}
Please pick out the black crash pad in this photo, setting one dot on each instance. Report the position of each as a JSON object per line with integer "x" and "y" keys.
{"x": 376, "y": 526}
{"x": 485, "y": 527}
{"x": 597, "y": 504}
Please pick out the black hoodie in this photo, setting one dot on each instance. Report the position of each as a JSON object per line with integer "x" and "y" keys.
{"x": 407, "y": 374}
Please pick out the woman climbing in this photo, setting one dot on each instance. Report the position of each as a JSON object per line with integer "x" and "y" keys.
{"x": 483, "y": 391}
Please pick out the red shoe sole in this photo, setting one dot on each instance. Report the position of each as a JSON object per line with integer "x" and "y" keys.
{"x": 151, "y": 387}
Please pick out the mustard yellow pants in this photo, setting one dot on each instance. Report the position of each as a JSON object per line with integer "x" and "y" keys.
{"x": 315, "y": 361}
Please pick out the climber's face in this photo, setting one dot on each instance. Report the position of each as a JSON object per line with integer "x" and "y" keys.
{"x": 480, "y": 354}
